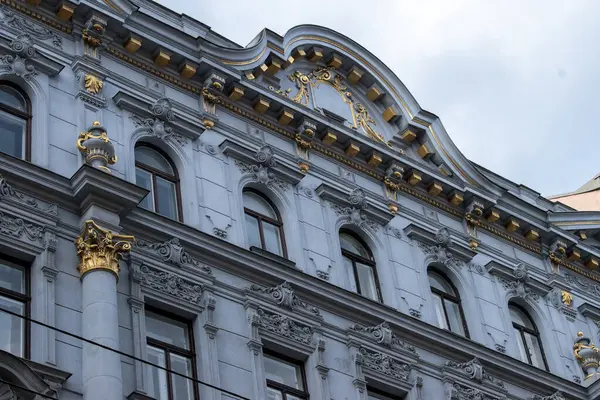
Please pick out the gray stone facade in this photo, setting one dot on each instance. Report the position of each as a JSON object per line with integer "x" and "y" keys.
{"x": 333, "y": 139}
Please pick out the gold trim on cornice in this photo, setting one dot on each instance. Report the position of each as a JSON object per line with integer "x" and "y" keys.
{"x": 576, "y": 223}
{"x": 42, "y": 18}
{"x": 153, "y": 70}
{"x": 337, "y": 155}
{"x": 246, "y": 62}
{"x": 114, "y": 6}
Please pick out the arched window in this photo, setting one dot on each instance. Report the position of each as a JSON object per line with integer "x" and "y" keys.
{"x": 15, "y": 121}
{"x": 359, "y": 260}
{"x": 155, "y": 172}
{"x": 446, "y": 301}
{"x": 263, "y": 223}
{"x": 528, "y": 337}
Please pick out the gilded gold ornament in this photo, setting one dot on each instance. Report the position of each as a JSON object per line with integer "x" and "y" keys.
{"x": 100, "y": 249}
{"x": 93, "y": 84}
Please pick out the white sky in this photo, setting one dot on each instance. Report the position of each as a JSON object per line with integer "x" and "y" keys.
{"x": 516, "y": 83}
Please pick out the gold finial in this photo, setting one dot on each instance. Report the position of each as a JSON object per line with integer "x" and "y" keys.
{"x": 580, "y": 334}
{"x": 96, "y": 123}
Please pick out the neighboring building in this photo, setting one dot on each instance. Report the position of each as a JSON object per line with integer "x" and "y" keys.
{"x": 302, "y": 227}
{"x": 586, "y": 198}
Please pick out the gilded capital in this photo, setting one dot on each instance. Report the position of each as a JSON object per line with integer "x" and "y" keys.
{"x": 100, "y": 249}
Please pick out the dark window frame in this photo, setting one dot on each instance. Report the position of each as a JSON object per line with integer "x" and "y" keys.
{"x": 169, "y": 348}
{"x": 154, "y": 173}
{"x": 448, "y": 297}
{"x": 260, "y": 218}
{"x": 27, "y": 116}
{"x": 284, "y": 389}
{"x": 354, "y": 258}
{"x": 378, "y": 392}
{"x": 20, "y": 297}
{"x": 534, "y": 332}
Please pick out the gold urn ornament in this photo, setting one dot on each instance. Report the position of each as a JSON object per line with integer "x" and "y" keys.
{"x": 96, "y": 147}
{"x": 100, "y": 249}
{"x": 587, "y": 354}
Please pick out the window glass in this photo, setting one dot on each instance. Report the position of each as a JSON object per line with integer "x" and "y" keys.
{"x": 253, "y": 231}
{"x": 12, "y": 135}
{"x": 349, "y": 266}
{"x": 167, "y": 330}
{"x": 440, "y": 316}
{"x": 366, "y": 280}
{"x": 283, "y": 372}
{"x": 166, "y": 192}
{"x": 535, "y": 351}
{"x": 454, "y": 316}
{"x": 147, "y": 156}
{"x": 272, "y": 239}
{"x": 441, "y": 284}
{"x": 160, "y": 388}
{"x": 12, "y": 98}
{"x": 351, "y": 244}
{"x": 182, "y": 388}
{"x": 144, "y": 179}
{"x": 521, "y": 346}
{"x": 12, "y": 277}
{"x": 519, "y": 317}
{"x": 259, "y": 205}
{"x": 274, "y": 394}
{"x": 12, "y": 331}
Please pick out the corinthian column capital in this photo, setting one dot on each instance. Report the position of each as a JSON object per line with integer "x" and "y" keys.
{"x": 99, "y": 248}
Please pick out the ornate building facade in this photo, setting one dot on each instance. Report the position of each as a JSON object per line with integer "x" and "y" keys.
{"x": 185, "y": 218}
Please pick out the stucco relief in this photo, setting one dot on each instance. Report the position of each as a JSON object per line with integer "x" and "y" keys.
{"x": 519, "y": 286}
{"x": 555, "y": 396}
{"x": 383, "y": 335}
{"x": 17, "y": 64}
{"x": 474, "y": 370}
{"x": 383, "y": 364}
{"x": 12, "y": 19}
{"x": 19, "y": 228}
{"x": 457, "y": 391}
{"x": 440, "y": 252}
{"x": 170, "y": 283}
{"x": 284, "y": 326}
{"x": 262, "y": 172}
{"x": 284, "y": 296}
{"x": 159, "y": 125}
{"x": 354, "y": 214}
{"x": 8, "y": 192}
{"x": 172, "y": 251}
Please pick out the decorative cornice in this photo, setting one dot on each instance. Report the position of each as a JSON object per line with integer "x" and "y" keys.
{"x": 172, "y": 251}
{"x": 18, "y": 228}
{"x": 284, "y": 296}
{"x": 7, "y": 192}
{"x": 383, "y": 334}
{"x": 354, "y": 206}
{"x": 263, "y": 165}
{"x": 459, "y": 391}
{"x": 284, "y": 326}
{"x": 160, "y": 117}
{"x": 555, "y": 396}
{"x": 170, "y": 284}
{"x": 474, "y": 371}
{"x": 440, "y": 245}
{"x": 518, "y": 281}
{"x": 381, "y": 363}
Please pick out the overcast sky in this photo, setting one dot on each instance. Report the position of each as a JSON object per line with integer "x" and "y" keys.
{"x": 516, "y": 83}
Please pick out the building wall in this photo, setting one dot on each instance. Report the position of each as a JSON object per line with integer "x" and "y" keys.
{"x": 213, "y": 235}
{"x": 588, "y": 201}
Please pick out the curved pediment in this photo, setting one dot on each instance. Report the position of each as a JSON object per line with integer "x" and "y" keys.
{"x": 389, "y": 114}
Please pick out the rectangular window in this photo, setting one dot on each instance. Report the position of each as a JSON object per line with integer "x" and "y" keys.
{"x": 375, "y": 394}
{"x": 285, "y": 378}
{"x": 14, "y": 296}
{"x": 170, "y": 345}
